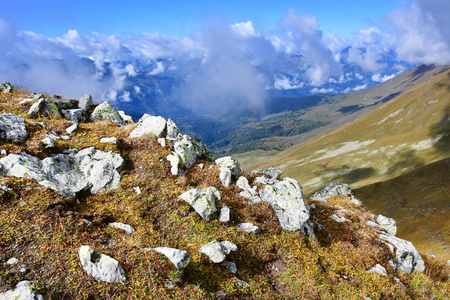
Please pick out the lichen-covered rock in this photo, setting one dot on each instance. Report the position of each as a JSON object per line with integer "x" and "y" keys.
{"x": 333, "y": 189}
{"x": 12, "y": 128}
{"x": 225, "y": 214}
{"x": 148, "y": 124}
{"x": 407, "y": 257}
{"x": 100, "y": 266}
{"x": 189, "y": 149}
{"x": 180, "y": 258}
{"x": 36, "y": 107}
{"x": 6, "y": 87}
{"x": 274, "y": 172}
{"x": 248, "y": 227}
{"x": 106, "y": 111}
{"x": 247, "y": 191}
{"x": 125, "y": 227}
{"x": 203, "y": 201}
{"x": 387, "y": 223}
{"x": 217, "y": 251}
{"x": 228, "y": 167}
{"x": 51, "y": 110}
{"x": 75, "y": 115}
{"x": 231, "y": 266}
{"x": 86, "y": 102}
{"x": 125, "y": 117}
{"x": 68, "y": 174}
{"x": 288, "y": 202}
{"x": 67, "y": 104}
{"x": 24, "y": 290}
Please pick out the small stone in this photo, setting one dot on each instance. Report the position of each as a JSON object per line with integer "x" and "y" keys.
{"x": 23, "y": 290}
{"x": 137, "y": 190}
{"x": 338, "y": 219}
{"x": 47, "y": 143}
{"x": 23, "y": 270}
{"x": 203, "y": 201}
{"x": 241, "y": 283}
{"x": 65, "y": 137}
{"x": 125, "y": 117}
{"x": 12, "y": 261}
{"x": 231, "y": 266}
{"x": 201, "y": 166}
{"x": 400, "y": 283}
{"x": 179, "y": 258}
{"x": 3, "y": 152}
{"x": 87, "y": 222}
{"x": 378, "y": 269}
{"x": 174, "y": 160}
{"x": 273, "y": 172}
{"x": 100, "y": 266}
{"x": 221, "y": 295}
{"x": 72, "y": 128}
{"x": 431, "y": 254}
{"x": 248, "y": 227}
{"x": 125, "y": 227}
{"x": 217, "y": 251}
{"x": 109, "y": 140}
{"x": 225, "y": 214}
{"x": 162, "y": 142}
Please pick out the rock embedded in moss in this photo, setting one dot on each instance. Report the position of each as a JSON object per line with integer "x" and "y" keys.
{"x": 228, "y": 168}
{"x": 100, "y": 266}
{"x": 6, "y": 87}
{"x": 106, "y": 111}
{"x": 86, "y": 103}
{"x": 125, "y": 227}
{"x": 248, "y": 227}
{"x": 274, "y": 172}
{"x": 148, "y": 124}
{"x": 217, "y": 251}
{"x": 68, "y": 174}
{"x": 203, "y": 201}
{"x": 12, "y": 128}
{"x": 180, "y": 258}
{"x": 407, "y": 258}
{"x": 24, "y": 290}
{"x": 333, "y": 189}
{"x": 387, "y": 224}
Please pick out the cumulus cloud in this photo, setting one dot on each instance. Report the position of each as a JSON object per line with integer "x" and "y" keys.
{"x": 302, "y": 35}
{"x": 379, "y": 78}
{"x": 283, "y": 83}
{"x": 159, "y": 68}
{"x": 423, "y": 31}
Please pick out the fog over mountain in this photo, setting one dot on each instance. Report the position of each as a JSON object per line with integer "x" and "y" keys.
{"x": 226, "y": 66}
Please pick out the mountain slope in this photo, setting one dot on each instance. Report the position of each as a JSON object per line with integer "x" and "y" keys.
{"x": 410, "y": 131}
{"x": 337, "y": 111}
{"x": 45, "y": 235}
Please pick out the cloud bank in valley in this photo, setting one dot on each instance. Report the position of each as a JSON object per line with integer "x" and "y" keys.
{"x": 226, "y": 66}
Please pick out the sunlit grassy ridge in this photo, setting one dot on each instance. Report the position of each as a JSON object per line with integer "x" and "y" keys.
{"x": 44, "y": 231}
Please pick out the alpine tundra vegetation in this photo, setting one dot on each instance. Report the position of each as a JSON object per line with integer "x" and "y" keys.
{"x": 151, "y": 215}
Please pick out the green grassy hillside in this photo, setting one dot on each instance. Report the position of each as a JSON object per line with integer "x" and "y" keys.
{"x": 409, "y": 131}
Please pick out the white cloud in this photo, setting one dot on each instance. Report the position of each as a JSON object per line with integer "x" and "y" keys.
{"x": 159, "y": 68}
{"x": 125, "y": 96}
{"x": 245, "y": 29}
{"x": 423, "y": 31}
{"x": 379, "y": 78}
{"x": 137, "y": 89}
{"x": 323, "y": 91}
{"x": 129, "y": 69}
{"x": 283, "y": 83}
{"x": 360, "y": 87}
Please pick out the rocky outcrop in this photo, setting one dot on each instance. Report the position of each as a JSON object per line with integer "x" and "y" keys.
{"x": 407, "y": 258}
{"x": 6, "y": 87}
{"x": 68, "y": 174}
{"x": 203, "y": 201}
{"x": 156, "y": 126}
{"x": 106, "y": 111}
{"x": 24, "y": 290}
{"x": 228, "y": 167}
{"x": 217, "y": 251}
{"x": 333, "y": 189}
{"x": 274, "y": 172}
{"x": 12, "y": 128}
{"x": 179, "y": 258}
{"x": 185, "y": 150}
{"x": 86, "y": 103}
{"x": 75, "y": 115}
{"x": 387, "y": 224}
{"x": 288, "y": 202}
{"x": 100, "y": 266}
{"x": 247, "y": 191}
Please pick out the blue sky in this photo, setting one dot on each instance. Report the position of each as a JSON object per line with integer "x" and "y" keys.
{"x": 178, "y": 18}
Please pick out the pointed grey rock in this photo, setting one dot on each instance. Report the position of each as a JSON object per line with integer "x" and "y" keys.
{"x": 217, "y": 251}
{"x": 12, "y": 128}
{"x": 407, "y": 257}
{"x": 203, "y": 201}
{"x": 100, "y": 266}
{"x": 106, "y": 111}
{"x": 180, "y": 258}
{"x": 86, "y": 102}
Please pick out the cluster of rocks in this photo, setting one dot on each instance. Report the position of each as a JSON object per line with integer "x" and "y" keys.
{"x": 407, "y": 258}
{"x": 91, "y": 169}
{"x": 68, "y": 173}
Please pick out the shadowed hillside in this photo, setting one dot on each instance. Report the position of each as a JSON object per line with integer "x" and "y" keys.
{"x": 409, "y": 131}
